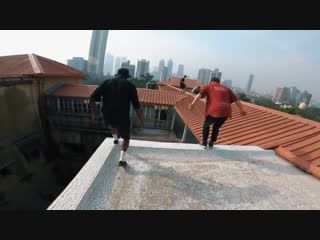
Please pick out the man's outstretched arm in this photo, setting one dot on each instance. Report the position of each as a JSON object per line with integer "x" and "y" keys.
{"x": 239, "y": 105}
{"x": 196, "y": 99}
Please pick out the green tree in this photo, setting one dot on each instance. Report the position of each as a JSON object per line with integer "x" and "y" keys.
{"x": 266, "y": 102}
{"x": 243, "y": 97}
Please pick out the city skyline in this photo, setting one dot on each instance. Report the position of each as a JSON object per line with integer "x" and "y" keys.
{"x": 276, "y": 58}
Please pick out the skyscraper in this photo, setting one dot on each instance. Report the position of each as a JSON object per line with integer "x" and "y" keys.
{"x": 142, "y": 67}
{"x": 130, "y": 67}
{"x": 161, "y": 65}
{"x": 285, "y": 94}
{"x": 204, "y": 76}
{"x": 180, "y": 70}
{"x": 164, "y": 73}
{"x": 170, "y": 68}
{"x": 78, "y": 63}
{"x": 293, "y": 95}
{"x": 306, "y": 98}
{"x": 216, "y": 73}
{"x": 123, "y": 59}
{"x": 108, "y": 65}
{"x": 97, "y": 52}
{"x": 117, "y": 64}
{"x": 250, "y": 81}
{"x": 277, "y": 94}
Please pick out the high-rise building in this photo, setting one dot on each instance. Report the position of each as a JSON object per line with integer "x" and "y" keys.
{"x": 250, "y": 81}
{"x": 123, "y": 59}
{"x": 216, "y": 74}
{"x": 97, "y": 52}
{"x": 277, "y": 94}
{"x": 170, "y": 68}
{"x": 285, "y": 94}
{"x": 108, "y": 65}
{"x": 180, "y": 72}
{"x": 78, "y": 63}
{"x": 117, "y": 64}
{"x": 204, "y": 76}
{"x": 164, "y": 73}
{"x": 161, "y": 65}
{"x": 293, "y": 95}
{"x": 306, "y": 98}
{"x": 227, "y": 83}
{"x": 130, "y": 67}
{"x": 142, "y": 67}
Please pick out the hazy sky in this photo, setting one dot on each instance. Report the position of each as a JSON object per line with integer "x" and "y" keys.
{"x": 276, "y": 58}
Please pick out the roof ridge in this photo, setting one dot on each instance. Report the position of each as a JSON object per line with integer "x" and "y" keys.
{"x": 35, "y": 64}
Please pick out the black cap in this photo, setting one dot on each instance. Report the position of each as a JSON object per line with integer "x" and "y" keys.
{"x": 123, "y": 72}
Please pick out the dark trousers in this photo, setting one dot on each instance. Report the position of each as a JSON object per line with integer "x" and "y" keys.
{"x": 217, "y": 124}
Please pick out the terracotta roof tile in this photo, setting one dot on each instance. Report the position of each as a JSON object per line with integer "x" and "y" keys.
{"x": 295, "y": 138}
{"x": 32, "y": 64}
{"x": 73, "y": 90}
{"x": 150, "y": 96}
{"x": 146, "y": 96}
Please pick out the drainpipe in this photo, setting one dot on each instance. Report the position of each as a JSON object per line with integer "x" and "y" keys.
{"x": 184, "y": 135}
{"x": 58, "y": 104}
{"x": 173, "y": 119}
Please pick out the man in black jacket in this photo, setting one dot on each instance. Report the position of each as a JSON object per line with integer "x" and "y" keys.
{"x": 117, "y": 95}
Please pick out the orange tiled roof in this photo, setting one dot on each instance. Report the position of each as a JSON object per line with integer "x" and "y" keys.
{"x": 294, "y": 138}
{"x": 169, "y": 88}
{"x": 146, "y": 96}
{"x": 74, "y": 90}
{"x": 150, "y": 96}
{"x": 174, "y": 81}
{"x": 32, "y": 64}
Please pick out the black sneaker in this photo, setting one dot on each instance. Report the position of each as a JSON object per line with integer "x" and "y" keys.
{"x": 203, "y": 146}
{"x": 210, "y": 145}
{"x": 123, "y": 163}
{"x": 115, "y": 141}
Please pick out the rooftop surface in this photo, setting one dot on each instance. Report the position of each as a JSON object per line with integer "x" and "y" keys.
{"x": 184, "y": 176}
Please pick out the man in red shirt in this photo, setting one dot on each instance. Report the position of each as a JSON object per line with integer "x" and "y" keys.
{"x": 218, "y": 108}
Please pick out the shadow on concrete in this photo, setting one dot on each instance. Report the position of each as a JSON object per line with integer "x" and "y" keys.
{"x": 215, "y": 194}
{"x": 263, "y": 159}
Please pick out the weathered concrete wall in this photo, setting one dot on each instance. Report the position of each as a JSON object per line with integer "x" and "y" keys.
{"x": 19, "y": 112}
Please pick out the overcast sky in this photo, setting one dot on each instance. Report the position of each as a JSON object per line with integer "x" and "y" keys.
{"x": 276, "y": 58}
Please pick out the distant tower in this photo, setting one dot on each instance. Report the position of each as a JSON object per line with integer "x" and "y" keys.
{"x": 170, "y": 68}
{"x": 142, "y": 67}
{"x": 108, "y": 65}
{"x": 161, "y": 65}
{"x": 117, "y": 64}
{"x": 180, "y": 70}
{"x": 249, "y": 85}
{"x": 97, "y": 52}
